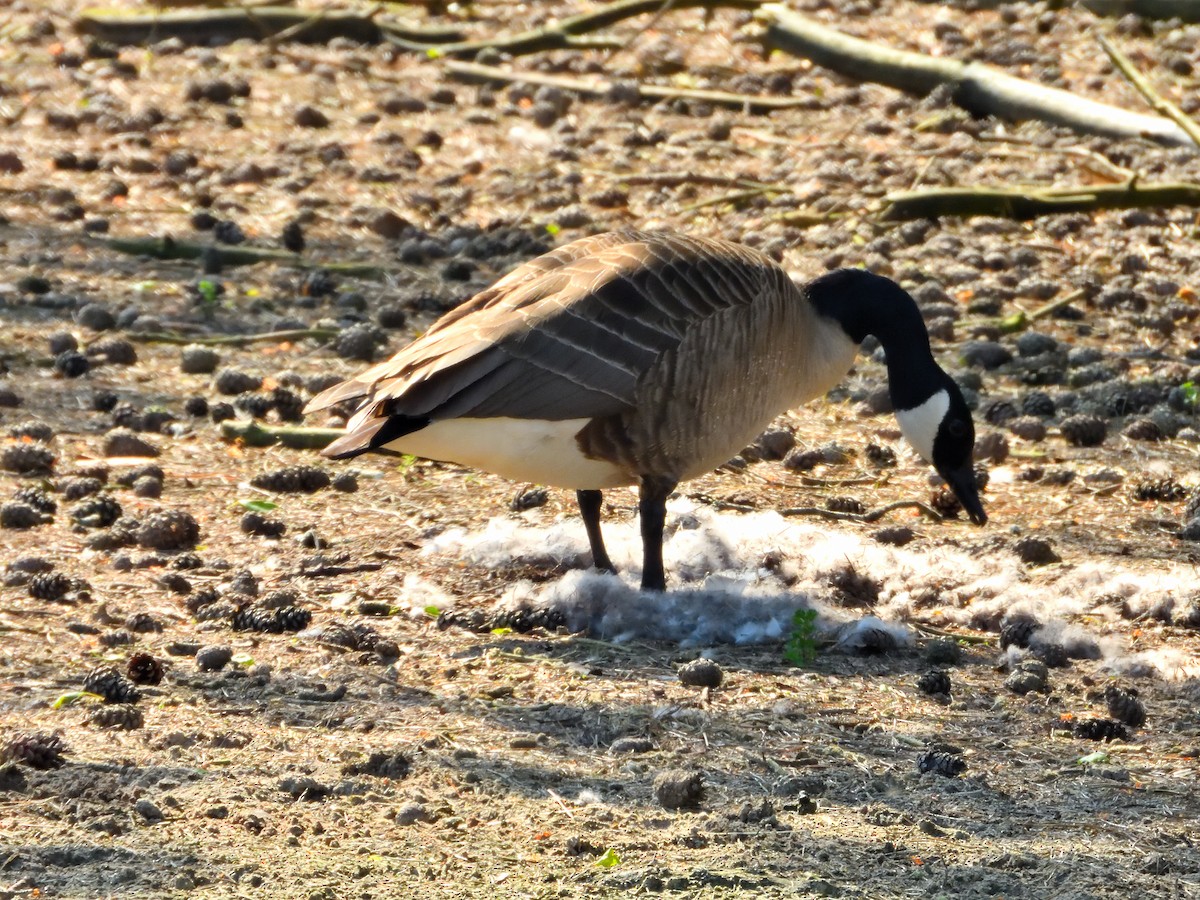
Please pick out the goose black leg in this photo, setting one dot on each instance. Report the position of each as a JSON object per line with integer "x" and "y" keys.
{"x": 589, "y": 508}
{"x": 652, "y": 509}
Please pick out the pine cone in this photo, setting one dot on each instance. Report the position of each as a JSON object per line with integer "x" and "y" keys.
{"x": 1018, "y": 632}
{"x": 79, "y": 486}
{"x": 27, "y": 458}
{"x": 935, "y": 681}
{"x": 142, "y": 668}
{"x": 98, "y": 512}
{"x": 255, "y": 618}
{"x": 111, "y": 685}
{"x": 257, "y": 405}
{"x": 244, "y": 582}
{"x": 998, "y": 412}
{"x": 1124, "y": 706}
{"x": 1143, "y": 430}
{"x": 120, "y": 716}
{"x": 880, "y": 456}
{"x": 198, "y": 600}
{"x": 846, "y": 505}
{"x": 526, "y": 619}
{"x": 38, "y": 499}
{"x": 143, "y": 623}
{"x": 1038, "y": 403}
{"x": 50, "y": 586}
{"x": 1100, "y": 730}
{"x": 947, "y": 765}
{"x": 289, "y": 405}
{"x": 221, "y": 609}
{"x": 292, "y": 480}
{"x": 172, "y": 529}
{"x": 187, "y": 561}
{"x": 293, "y": 618}
{"x": 261, "y": 526}
{"x": 38, "y": 750}
{"x": 469, "y": 620}
{"x": 279, "y": 599}
{"x": 1162, "y": 490}
{"x": 33, "y": 430}
{"x": 946, "y": 503}
{"x": 21, "y": 516}
{"x": 1084, "y": 430}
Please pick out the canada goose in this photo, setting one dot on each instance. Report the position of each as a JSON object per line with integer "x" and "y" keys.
{"x": 645, "y": 358}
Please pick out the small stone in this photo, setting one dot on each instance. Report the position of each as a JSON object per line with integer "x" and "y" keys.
{"x": 97, "y": 317}
{"x": 679, "y": 788}
{"x": 61, "y": 342}
{"x": 196, "y": 359}
{"x": 148, "y": 810}
{"x": 213, "y": 658}
{"x": 124, "y": 442}
{"x": 943, "y": 651}
{"x": 631, "y": 745}
{"x": 232, "y": 381}
{"x": 150, "y": 488}
{"x": 1028, "y": 428}
{"x": 412, "y": 813}
{"x": 310, "y": 117}
{"x": 985, "y": 354}
{"x": 701, "y": 673}
{"x": 1035, "y": 551}
{"x": 1030, "y": 676}
{"x": 347, "y": 483}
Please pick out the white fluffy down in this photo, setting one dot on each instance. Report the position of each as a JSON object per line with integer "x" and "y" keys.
{"x": 719, "y": 591}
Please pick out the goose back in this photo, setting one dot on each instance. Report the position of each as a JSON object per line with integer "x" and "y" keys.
{"x": 670, "y": 351}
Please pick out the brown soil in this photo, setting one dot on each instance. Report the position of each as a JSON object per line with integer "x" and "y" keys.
{"x": 474, "y": 765}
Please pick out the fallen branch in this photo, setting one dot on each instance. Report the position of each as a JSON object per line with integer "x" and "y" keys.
{"x": 558, "y": 35}
{"x": 296, "y": 437}
{"x": 468, "y": 71}
{"x": 1184, "y": 10}
{"x": 873, "y": 516}
{"x": 168, "y": 248}
{"x": 233, "y": 340}
{"x": 1029, "y": 203}
{"x": 1158, "y": 103}
{"x": 978, "y": 88}
{"x": 201, "y": 26}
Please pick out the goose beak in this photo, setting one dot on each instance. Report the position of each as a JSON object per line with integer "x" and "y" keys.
{"x": 962, "y": 482}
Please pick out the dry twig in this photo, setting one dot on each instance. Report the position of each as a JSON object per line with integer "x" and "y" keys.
{"x": 753, "y": 103}
{"x": 1029, "y": 203}
{"x": 980, "y": 89}
{"x": 1141, "y": 83}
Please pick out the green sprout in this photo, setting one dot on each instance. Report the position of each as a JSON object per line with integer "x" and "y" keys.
{"x": 801, "y": 646}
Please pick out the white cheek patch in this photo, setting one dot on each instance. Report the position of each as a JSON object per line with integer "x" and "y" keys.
{"x": 920, "y": 424}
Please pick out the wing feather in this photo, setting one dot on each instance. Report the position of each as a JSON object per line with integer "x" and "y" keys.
{"x": 567, "y": 335}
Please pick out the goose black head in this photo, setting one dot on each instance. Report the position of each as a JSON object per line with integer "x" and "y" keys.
{"x": 929, "y": 405}
{"x": 941, "y": 430}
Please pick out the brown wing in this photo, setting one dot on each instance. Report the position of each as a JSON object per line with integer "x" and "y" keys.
{"x": 565, "y": 336}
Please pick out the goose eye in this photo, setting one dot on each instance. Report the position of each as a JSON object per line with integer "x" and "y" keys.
{"x": 956, "y": 428}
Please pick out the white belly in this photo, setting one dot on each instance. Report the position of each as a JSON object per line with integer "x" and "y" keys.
{"x": 528, "y": 450}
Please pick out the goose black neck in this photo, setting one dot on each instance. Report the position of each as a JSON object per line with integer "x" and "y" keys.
{"x": 864, "y": 303}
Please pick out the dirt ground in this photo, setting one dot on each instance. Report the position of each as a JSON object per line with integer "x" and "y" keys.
{"x": 445, "y": 763}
